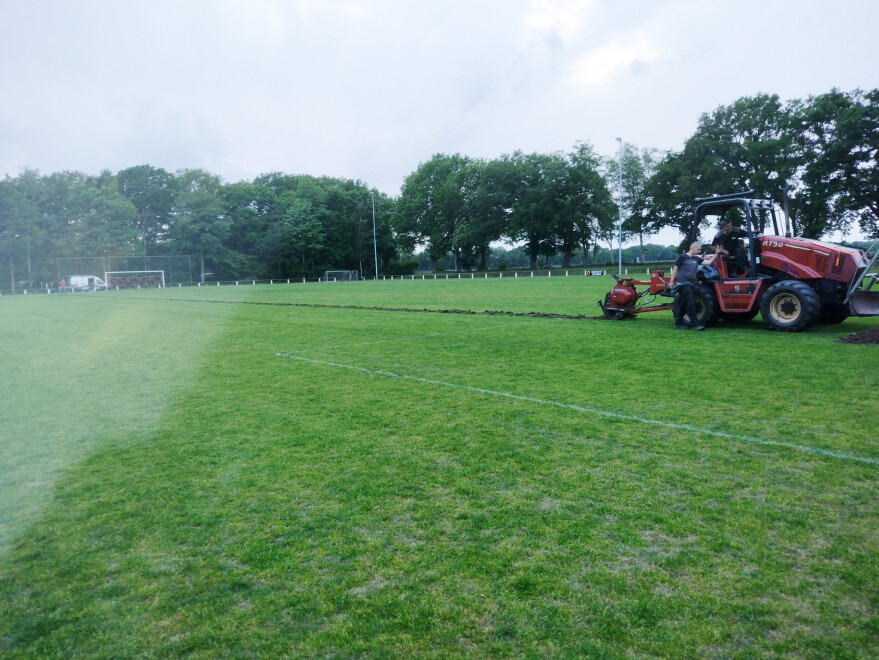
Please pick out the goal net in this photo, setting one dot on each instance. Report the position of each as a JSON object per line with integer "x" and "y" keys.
{"x": 134, "y": 279}
{"x": 340, "y": 275}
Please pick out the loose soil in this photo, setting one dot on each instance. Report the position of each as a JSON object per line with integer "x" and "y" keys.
{"x": 870, "y": 336}
{"x": 488, "y": 312}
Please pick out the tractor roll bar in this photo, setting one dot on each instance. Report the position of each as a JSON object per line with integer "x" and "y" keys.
{"x": 744, "y": 193}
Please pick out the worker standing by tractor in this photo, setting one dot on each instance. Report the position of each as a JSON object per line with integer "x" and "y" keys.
{"x": 683, "y": 276}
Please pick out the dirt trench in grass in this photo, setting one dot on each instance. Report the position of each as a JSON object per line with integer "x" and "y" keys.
{"x": 869, "y": 336}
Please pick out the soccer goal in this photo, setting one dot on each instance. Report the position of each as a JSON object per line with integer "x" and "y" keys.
{"x": 340, "y": 275}
{"x": 135, "y": 279}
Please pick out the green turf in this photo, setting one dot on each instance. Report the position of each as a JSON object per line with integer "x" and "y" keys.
{"x": 191, "y": 473}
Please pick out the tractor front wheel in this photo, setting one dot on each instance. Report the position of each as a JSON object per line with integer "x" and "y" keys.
{"x": 790, "y": 306}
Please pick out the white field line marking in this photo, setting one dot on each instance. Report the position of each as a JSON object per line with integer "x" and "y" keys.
{"x": 596, "y": 411}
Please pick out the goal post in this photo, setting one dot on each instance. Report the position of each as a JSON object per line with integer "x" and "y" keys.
{"x": 134, "y": 279}
{"x": 340, "y": 275}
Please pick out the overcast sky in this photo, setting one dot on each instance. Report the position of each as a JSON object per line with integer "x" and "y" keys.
{"x": 368, "y": 89}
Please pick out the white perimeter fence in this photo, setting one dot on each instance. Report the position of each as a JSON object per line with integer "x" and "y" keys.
{"x": 303, "y": 280}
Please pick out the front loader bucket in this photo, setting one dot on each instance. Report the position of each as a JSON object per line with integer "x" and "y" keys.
{"x": 864, "y": 303}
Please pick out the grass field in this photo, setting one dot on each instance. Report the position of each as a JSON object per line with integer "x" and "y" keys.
{"x": 296, "y": 471}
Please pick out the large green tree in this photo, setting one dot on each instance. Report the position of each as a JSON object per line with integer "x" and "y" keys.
{"x": 152, "y": 190}
{"x": 486, "y": 210}
{"x": 838, "y": 135}
{"x": 538, "y": 197}
{"x": 101, "y": 221}
{"x": 294, "y": 246}
{"x": 746, "y": 145}
{"x": 199, "y": 223}
{"x": 590, "y": 199}
{"x": 246, "y": 207}
{"x": 431, "y": 207}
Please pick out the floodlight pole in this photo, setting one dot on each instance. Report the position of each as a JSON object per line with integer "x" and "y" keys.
{"x": 620, "y": 195}
{"x": 374, "y": 242}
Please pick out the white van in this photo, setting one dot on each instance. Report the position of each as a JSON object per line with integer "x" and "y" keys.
{"x": 85, "y": 283}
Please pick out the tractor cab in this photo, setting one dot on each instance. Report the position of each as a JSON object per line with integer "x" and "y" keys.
{"x": 747, "y": 219}
{"x": 729, "y": 267}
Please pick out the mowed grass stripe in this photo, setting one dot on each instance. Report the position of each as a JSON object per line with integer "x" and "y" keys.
{"x": 591, "y": 411}
{"x": 78, "y": 374}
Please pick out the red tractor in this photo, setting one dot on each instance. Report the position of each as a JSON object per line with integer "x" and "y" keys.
{"x": 793, "y": 282}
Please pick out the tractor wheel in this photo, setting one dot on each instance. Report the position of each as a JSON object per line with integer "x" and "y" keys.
{"x": 790, "y": 306}
{"x": 740, "y": 317}
{"x": 707, "y": 310}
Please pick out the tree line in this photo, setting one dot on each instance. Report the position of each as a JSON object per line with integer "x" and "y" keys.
{"x": 276, "y": 226}
{"x": 452, "y": 209}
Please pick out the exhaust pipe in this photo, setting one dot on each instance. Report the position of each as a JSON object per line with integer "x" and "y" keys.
{"x": 786, "y": 197}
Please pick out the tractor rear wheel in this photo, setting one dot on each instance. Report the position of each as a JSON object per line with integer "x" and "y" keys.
{"x": 790, "y": 306}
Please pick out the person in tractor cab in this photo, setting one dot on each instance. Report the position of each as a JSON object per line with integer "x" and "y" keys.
{"x": 683, "y": 275}
{"x": 728, "y": 242}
